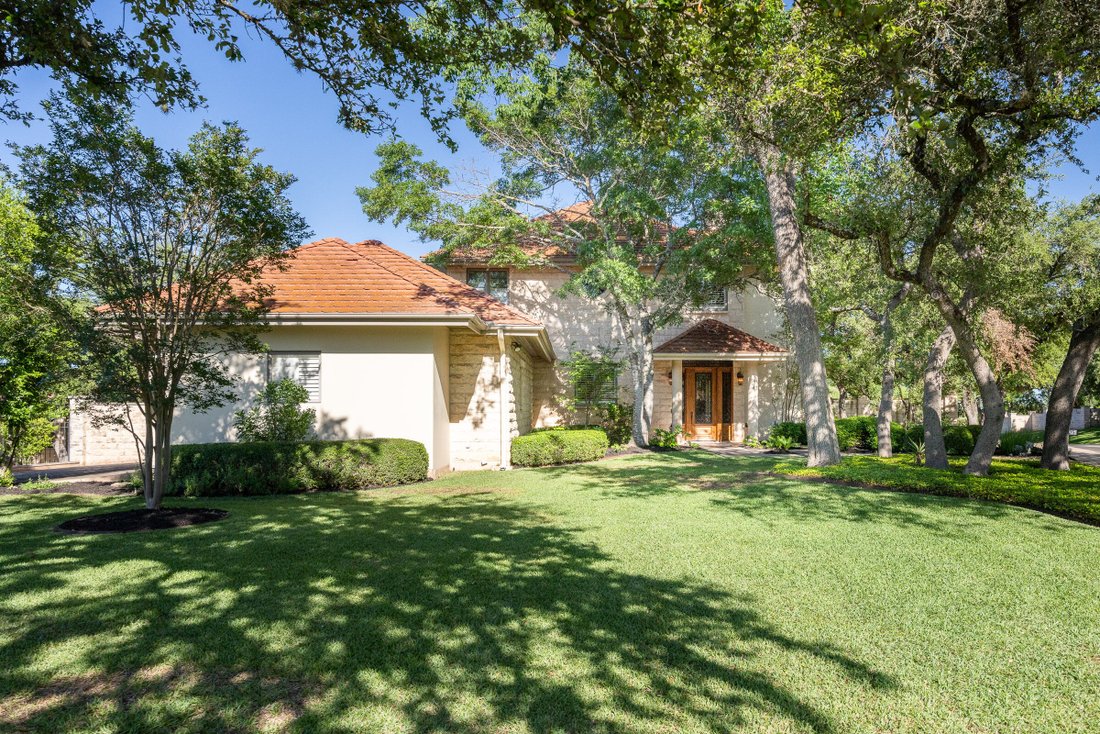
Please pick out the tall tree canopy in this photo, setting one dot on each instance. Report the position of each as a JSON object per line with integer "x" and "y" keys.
{"x": 651, "y": 225}
{"x": 39, "y": 358}
{"x": 1069, "y": 301}
{"x": 360, "y": 51}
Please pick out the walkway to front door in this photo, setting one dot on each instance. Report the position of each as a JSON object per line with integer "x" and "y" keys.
{"x": 708, "y": 403}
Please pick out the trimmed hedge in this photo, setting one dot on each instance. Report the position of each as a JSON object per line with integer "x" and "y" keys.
{"x": 861, "y": 432}
{"x": 858, "y": 432}
{"x": 559, "y": 446}
{"x": 267, "y": 467}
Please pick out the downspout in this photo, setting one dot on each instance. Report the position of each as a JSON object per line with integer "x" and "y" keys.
{"x": 502, "y": 373}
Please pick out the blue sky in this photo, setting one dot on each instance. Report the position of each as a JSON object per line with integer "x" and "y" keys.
{"x": 293, "y": 119}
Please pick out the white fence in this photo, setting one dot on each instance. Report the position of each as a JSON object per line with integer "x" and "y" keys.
{"x": 1081, "y": 418}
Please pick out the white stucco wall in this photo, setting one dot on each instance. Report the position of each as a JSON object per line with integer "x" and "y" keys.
{"x": 376, "y": 382}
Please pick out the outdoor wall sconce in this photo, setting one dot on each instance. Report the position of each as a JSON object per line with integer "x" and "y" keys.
{"x": 516, "y": 347}
{"x": 740, "y": 378}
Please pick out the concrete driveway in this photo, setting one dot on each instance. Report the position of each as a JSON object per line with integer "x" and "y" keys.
{"x": 92, "y": 473}
{"x": 1086, "y": 453}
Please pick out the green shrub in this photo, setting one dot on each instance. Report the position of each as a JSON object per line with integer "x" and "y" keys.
{"x": 617, "y": 422}
{"x": 7, "y": 479}
{"x": 958, "y": 440}
{"x": 914, "y": 434}
{"x": 278, "y": 414}
{"x": 662, "y": 439}
{"x": 269, "y": 467}
{"x": 559, "y": 446}
{"x": 780, "y": 444}
{"x": 899, "y": 437}
{"x": 859, "y": 432}
{"x": 1014, "y": 443}
{"x": 789, "y": 429}
{"x": 846, "y": 434}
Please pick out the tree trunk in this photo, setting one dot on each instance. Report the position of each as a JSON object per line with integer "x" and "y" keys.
{"x": 1083, "y": 344}
{"x": 886, "y": 407}
{"x": 993, "y": 404}
{"x": 841, "y": 396}
{"x": 794, "y": 275}
{"x": 641, "y": 361}
{"x": 935, "y": 452}
{"x": 162, "y": 453}
{"x": 148, "y": 478}
{"x": 970, "y": 407}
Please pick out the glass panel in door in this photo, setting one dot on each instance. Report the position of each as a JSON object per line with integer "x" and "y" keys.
{"x": 704, "y": 398}
{"x": 727, "y": 397}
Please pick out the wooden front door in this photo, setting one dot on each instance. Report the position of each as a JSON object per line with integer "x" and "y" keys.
{"x": 708, "y": 403}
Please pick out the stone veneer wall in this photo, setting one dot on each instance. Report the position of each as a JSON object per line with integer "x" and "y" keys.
{"x": 522, "y": 392}
{"x": 573, "y": 322}
{"x": 474, "y": 400}
{"x": 98, "y": 444}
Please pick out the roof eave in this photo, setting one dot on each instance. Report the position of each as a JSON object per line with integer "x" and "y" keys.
{"x": 735, "y": 356}
{"x": 473, "y": 321}
{"x": 536, "y": 332}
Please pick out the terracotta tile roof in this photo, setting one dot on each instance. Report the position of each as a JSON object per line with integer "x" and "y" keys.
{"x": 711, "y": 336}
{"x": 331, "y": 276}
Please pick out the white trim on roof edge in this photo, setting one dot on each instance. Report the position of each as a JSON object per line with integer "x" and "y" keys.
{"x": 536, "y": 332}
{"x": 735, "y": 356}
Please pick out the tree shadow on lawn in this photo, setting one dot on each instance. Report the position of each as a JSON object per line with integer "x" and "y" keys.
{"x": 744, "y": 485}
{"x": 345, "y": 612}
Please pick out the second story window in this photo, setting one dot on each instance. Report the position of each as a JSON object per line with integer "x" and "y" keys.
{"x": 715, "y": 300}
{"x": 493, "y": 282}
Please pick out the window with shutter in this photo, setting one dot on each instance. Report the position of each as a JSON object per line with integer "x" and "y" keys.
{"x": 303, "y": 368}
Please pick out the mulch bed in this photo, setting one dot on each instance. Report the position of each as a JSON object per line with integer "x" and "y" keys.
{"x": 133, "y": 521}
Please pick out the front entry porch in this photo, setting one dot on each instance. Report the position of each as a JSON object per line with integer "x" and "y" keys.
{"x": 714, "y": 371}
{"x": 708, "y": 403}
{"x": 716, "y": 400}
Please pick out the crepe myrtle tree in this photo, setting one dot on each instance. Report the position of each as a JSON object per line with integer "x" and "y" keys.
{"x": 168, "y": 245}
{"x": 655, "y": 224}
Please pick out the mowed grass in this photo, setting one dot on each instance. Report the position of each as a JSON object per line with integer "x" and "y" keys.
{"x": 1074, "y": 493}
{"x": 1086, "y": 435}
{"x": 654, "y": 593}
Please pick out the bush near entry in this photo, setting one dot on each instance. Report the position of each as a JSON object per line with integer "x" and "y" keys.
{"x": 559, "y": 446}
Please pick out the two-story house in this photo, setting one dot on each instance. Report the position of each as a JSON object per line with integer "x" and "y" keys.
{"x": 465, "y": 360}
{"x": 720, "y": 373}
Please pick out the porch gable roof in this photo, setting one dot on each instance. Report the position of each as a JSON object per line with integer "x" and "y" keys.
{"x": 714, "y": 339}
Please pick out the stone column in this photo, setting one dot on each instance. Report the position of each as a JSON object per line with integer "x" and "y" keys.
{"x": 752, "y": 399}
{"x": 677, "y": 392}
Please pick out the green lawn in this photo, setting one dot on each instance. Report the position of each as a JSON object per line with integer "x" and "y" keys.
{"x": 1074, "y": 494}
{"x": 1086, "y": 435}
{"x": 654, "y": 593}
